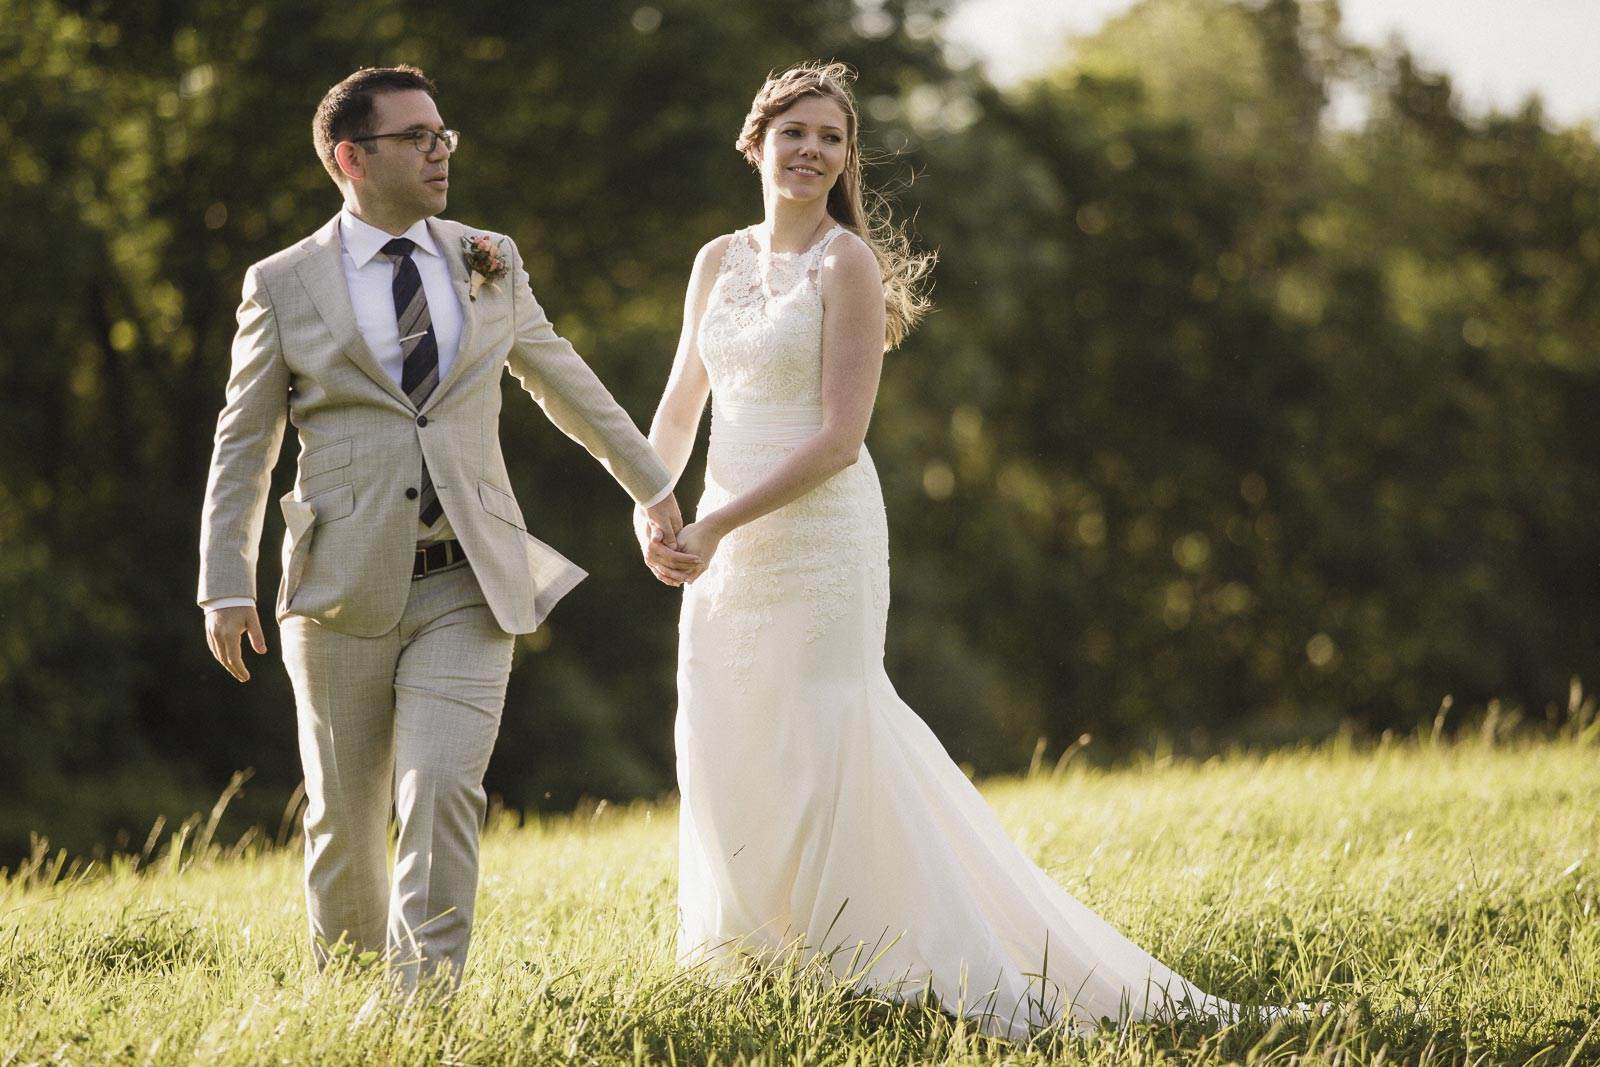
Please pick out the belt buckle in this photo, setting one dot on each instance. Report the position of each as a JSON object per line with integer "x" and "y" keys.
{"x": 449, "y": 550}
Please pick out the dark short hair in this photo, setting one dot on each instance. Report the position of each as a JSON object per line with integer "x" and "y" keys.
{"x": 346, "y": 109}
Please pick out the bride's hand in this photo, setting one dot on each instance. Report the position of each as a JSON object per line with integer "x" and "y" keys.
{"x": 699, "y": 539}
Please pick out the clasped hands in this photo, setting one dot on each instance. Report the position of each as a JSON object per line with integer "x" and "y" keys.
{"x": 675, "y": 553}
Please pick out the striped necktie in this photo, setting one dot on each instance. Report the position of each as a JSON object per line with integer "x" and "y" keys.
{"x": 419, "y": 351}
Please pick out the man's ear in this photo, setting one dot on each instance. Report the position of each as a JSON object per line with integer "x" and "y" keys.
{"x": 350, "y": 159}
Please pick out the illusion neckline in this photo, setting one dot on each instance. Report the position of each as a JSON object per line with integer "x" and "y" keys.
{"x": 764, "y": 246}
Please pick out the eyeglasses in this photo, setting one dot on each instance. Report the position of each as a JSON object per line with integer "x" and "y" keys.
{"x": 424, "y": 141}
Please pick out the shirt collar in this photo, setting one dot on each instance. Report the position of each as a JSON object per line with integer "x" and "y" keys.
{"x": 362, "y": 240}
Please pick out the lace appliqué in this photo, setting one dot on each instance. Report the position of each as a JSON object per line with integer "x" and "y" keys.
{"x": 831, "y": 542}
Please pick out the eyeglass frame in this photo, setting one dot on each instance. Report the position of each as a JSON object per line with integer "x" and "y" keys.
{"x": 451, "y": 139}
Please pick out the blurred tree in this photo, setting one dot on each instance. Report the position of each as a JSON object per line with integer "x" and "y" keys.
{"x": 167, "y": 146}
{"x": 1238, "y": 424}
{"x": 1233, "y": 423}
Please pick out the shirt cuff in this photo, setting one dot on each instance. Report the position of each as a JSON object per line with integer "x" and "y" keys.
{"x": 658, "y": 498}
{"x": 218, "y": 603}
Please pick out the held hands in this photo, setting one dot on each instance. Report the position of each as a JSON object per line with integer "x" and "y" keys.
{"x": 700, "y": 540}
{"x": 223, "y": 629}
{"x": 658, "y": 531}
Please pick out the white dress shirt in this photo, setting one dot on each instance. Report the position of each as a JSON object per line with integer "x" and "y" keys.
{"x": 370, "y": 277}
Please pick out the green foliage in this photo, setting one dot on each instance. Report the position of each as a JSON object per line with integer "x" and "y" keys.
{"x": 1241, "y": 424}
{"x": 169, "y": 146}
{"x": 1438, "y": 897}
{"x": 1232, "y": 425}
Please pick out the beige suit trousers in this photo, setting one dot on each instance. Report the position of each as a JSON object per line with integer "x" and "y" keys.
{"x": 402, "y": 722}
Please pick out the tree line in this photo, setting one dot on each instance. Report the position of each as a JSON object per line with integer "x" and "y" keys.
{"x": 1235, "y": 422}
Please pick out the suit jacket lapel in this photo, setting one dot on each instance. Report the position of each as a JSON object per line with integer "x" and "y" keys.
{"x": 321, "y": 271}
{"x": 447, "y": 236}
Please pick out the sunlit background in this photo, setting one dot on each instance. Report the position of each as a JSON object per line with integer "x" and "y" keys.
{"x": 1259, "y": 402}
{"x": 1498, "y": 52}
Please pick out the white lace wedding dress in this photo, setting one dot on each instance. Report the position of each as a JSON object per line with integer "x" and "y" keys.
{"x": 819, "y": 813}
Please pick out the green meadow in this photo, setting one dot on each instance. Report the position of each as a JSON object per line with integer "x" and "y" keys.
{"x": 1440, "y": 897}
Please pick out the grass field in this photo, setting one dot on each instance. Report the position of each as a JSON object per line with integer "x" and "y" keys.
{"x": 1442, "y": 897}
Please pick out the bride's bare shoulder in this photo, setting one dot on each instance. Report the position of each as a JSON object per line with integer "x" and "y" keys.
{"x": 847, "y": 248}
{"x": 707, "y": 266}
{"x": 708, "y": 262}
{"x": 712, "y": 251}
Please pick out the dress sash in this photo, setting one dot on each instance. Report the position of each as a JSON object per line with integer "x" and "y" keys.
{"x": 764, "y": 424}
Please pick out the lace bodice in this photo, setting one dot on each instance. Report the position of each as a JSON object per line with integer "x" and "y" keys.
{"x": 761, "y": 342}
{"x": 761, "y": 336}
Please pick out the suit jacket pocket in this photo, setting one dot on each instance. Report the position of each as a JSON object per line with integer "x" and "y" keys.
{"x": 501, "y": 505}
{"x": 538, "y": 570}
{"x": 325, "y": 460}
{"x": 301, "y": 519}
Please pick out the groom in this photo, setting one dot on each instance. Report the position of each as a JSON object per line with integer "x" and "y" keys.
{"x": 407, "y": 564}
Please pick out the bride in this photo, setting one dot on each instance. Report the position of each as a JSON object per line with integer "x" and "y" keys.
{"x": 820, "y": 816}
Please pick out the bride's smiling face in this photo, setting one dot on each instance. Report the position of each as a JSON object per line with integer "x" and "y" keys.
{"x": 804, "y": 149}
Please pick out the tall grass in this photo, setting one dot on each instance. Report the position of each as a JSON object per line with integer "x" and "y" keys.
{"x": 1440, "y": 895}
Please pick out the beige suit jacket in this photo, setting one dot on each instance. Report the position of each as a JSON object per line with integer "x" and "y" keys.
{"x": 351, "y": 526}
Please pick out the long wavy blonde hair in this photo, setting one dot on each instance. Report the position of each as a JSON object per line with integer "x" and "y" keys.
{"x": 904, "y": 272}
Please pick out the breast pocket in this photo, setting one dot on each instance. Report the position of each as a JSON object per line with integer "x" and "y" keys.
{"x": 492, "y": 330}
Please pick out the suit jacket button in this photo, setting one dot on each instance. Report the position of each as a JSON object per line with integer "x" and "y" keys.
{"x": 422, "y": 420}
{"x": 411, "y": 494}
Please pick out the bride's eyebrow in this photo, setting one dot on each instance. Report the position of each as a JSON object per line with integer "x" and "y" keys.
{"x": 826, "y": 127}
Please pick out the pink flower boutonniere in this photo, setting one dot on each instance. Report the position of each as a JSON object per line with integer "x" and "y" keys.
{"x": 486, "y": 260}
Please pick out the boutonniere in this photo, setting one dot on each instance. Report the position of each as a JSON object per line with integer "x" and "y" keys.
{"x": 486, "y": 260}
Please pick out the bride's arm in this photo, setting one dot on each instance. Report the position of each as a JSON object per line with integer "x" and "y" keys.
{"x": 683, "y": 402}
{"x": 672, "y": 432}
{"x": 852, "y": 358}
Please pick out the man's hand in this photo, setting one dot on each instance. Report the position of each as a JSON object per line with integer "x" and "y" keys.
{"x": 667, "y": 518}
{"x": 223, "y": 627}
{"x": 660, "y": 547}
{"x": 668, "y": 564}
